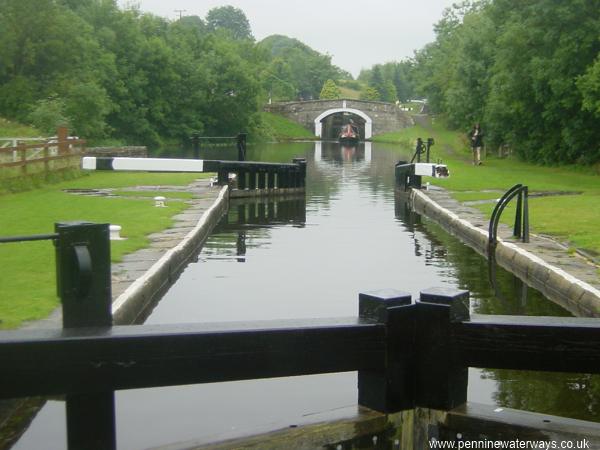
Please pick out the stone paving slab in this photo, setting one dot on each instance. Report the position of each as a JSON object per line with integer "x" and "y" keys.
{"x": 165, "y": 243}
{"x": 142, "y": 265}
{"x": 143, "y": 255}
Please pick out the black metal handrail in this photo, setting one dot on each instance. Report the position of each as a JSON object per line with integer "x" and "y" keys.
{"x": 422, "y": 148}
{"x": 32, "y": 237}
{"x": 521, "y": 227}
{"x": 240, "y": 139}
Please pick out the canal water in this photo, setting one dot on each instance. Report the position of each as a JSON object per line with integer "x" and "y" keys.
{"x": 311, "y": 256}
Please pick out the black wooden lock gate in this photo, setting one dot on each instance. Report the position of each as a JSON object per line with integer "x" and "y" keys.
{"x": 407, "y": 353}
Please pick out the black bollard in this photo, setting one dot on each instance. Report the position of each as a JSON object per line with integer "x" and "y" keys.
{"x": 84, "y": 287}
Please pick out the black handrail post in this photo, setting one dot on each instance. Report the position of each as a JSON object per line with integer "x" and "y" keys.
{"x": 262, "y": 182}
{"x": 241, "y": 179}
{"x": 517, "y": 227}
{"x": 251, "y": 179}
{"x": 418, "y": 151}
{"x": 84, "y": 287}
{"x": 525, "y": 214}
{"x": 301, "y": 162}
{"x": 390, "y": 389}
{"x": 196, "y": 144}
{"x": 496, "y": 213}
{"x": 241, "y": 146}
{"x": 271, "y": 179}
{"x": 430, "y": 142}
{"x": 441, "y": 380}
{"x": 283, "y": 179}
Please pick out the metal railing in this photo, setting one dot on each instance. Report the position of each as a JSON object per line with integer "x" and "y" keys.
{"x": 521, "y": 225}
{"x": 240, "y": 140}
{"x": 422, "y": 148}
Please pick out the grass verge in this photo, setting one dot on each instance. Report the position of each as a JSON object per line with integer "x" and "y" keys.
{"x": 28, "y": 271}
{"x": 283, "y": 129}
{"x": 13, "y": 129}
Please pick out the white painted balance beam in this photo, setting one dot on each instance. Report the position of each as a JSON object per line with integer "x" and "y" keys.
{"x": 142, "y": 164}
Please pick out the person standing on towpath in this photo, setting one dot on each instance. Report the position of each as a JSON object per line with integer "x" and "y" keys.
{"x": 476, "y": 136}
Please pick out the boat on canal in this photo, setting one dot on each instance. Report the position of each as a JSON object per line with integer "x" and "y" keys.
{"x": 349, "y": 134}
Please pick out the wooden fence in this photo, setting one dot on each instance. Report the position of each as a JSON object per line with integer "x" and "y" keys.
{"x": 52, "y": 154}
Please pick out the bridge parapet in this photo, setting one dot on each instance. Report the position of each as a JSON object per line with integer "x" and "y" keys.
{"x": 379, "y": 117}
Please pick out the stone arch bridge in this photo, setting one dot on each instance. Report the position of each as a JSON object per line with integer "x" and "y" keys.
{"x": 321, "y": 116}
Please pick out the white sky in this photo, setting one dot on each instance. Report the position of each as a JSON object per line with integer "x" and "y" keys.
{"x": 356, "y": 34}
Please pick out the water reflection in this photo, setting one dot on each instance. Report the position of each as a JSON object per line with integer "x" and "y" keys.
{"x": 259, "y": 216}
{"x": 334, "y": 152}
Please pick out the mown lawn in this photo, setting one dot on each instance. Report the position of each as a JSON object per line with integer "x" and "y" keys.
{"x": 573, "y": 219}
{"x": 27, "y": 279}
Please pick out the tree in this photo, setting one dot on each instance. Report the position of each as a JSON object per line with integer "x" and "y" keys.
{"x": 589, "y": 86}
{"x": 49, "y": 114}
{"x": 308, "y": 69}
{"x": 330, "y": 91}
{"x": 401, "y": 78}
{"x": 48, "y": 51}
{"x": 370, "y": 94}
{"x": 377, "y": 81}
{"x": 388, "y": 93}
{"x": 231, "y": 19}
{"x": 276, "y": 80}
{"x": 541, "y": 52}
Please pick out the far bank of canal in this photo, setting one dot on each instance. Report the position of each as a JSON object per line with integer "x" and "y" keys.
{"x": 345, "y": 236}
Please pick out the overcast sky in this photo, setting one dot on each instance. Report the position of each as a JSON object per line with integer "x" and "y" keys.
{"x": 357, "y": 34}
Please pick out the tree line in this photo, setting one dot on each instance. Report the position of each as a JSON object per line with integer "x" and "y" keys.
{"x": 125, "y": 75}
{"x": 388, "y": 82}
{"x": 529, "y": 71}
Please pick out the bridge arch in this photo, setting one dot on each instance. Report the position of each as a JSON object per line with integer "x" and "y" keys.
{"x": 378, "y": 117}
{"x": 329, "y": 112}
